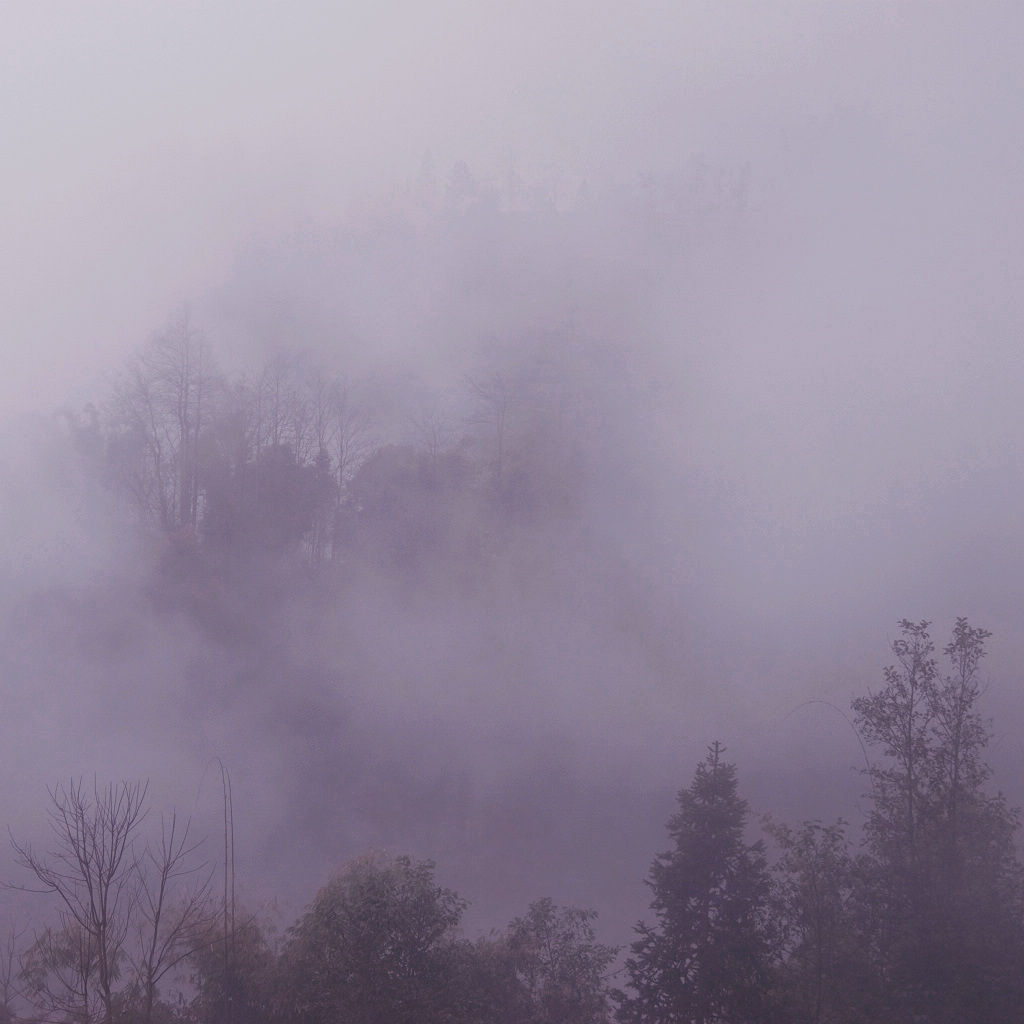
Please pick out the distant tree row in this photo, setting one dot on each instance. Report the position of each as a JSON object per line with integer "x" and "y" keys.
{"x": 258, "y": 461}
{"x": 289, "y": 463}
{"x": 924, "y": 922}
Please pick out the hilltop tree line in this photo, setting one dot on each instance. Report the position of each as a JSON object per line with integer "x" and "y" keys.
{"x": 921, "y": 919}
{"x": 295, "y": 464}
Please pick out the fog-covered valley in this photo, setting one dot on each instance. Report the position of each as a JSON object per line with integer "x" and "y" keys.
{"x": 524, "y": 468}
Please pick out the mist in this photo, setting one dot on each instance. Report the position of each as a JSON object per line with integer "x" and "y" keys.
{"x": 766, "y": 259}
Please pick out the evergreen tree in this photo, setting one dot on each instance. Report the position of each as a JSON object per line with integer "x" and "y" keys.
{"x": 707, "y": 958}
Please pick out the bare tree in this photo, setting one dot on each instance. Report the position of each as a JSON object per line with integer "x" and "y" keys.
{"x": 436, "y": 431}
{"x": 92, "y": 871}
{"x": 119, "y": 927}
{"x": 351, "y": 435}
{"x": 166, "y": 934}
{"x": 161, "y": 406}
{"x": 281, "y": 415}
{"x": 351, "y": 441}
{"x": 495, "y": 398}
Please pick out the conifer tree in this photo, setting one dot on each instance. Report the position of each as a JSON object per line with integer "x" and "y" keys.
{"x": 706, "y": 959}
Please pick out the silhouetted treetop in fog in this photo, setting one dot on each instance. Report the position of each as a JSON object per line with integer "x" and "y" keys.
{"x": 291, "y": 465}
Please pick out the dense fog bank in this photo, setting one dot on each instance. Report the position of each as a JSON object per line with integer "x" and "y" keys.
{"x": 563, "y": 401}
{"x": 504, "y": 668}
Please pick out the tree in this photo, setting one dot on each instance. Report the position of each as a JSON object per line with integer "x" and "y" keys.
{"x": 496, "y": 398}
{"x": 126, "y": 910}
{"x": 349, "y": 440}
{"x": 958, "y": 771}
{"x": 707, "y": 958}
{"x": 170, "y": 911}
{"x": 436, "y": 431}
{"x": 58, "y": 975}
{"x": 485, "y": 986}
{"x": 374, "y": 947}
{"x": 236, "y": 986}
{"x": 404, "y": 507}
{"x": 942, "y": 872}
{"x": 823, "y": 973}
{"x": 162, "y": 407}
{"x": 561, "y": 964}
{"x": 8, "y": 975}
{"x": 280, "y": 454}
{"x": 899, "y": 718}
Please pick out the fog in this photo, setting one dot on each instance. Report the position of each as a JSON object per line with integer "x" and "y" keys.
{"x": 771, "y": 255}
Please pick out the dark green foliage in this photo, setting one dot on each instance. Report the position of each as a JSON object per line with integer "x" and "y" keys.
{"x": 545, "y": 968}
{"x": 379, "y": 944}
{"x": 708, "y": 957}
{"x": 405, "y": 507}
{"x": 270, "y": 506}
{"x": 485, "y": 988}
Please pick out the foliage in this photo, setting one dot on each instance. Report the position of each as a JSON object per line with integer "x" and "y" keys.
{"x": 560, "y": 964}
{"x": 233, "y": 973}
{"x": 374, "y": 946}
{"x": 239, "y": 478}
{"x": 926, "y": 922}
{"x": 823, "y": 955}
{"x": 484, "y": 985}
{"x": 942, "y": 878}
{"x": 708, "y": 957}
{"x": 405, "y": 506}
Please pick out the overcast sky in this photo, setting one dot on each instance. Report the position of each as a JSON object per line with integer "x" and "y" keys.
{"x": 145, "y": 143}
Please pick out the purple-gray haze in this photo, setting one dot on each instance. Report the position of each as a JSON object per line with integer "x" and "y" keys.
{"x": 780, "y": 250}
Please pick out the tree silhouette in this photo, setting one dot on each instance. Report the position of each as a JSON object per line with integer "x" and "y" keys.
{"x": 943, "y": 877}
{"x": 707, "y": 958}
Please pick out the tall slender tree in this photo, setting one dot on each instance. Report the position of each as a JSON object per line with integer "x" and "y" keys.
{"x": 162, "y": 405}
{"x": 943, "y": 877}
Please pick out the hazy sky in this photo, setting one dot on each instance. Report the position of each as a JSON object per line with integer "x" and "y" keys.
{"x": 145, "y": 143}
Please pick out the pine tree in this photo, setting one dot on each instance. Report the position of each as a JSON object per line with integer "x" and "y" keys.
{"x": 706, "y": 960}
